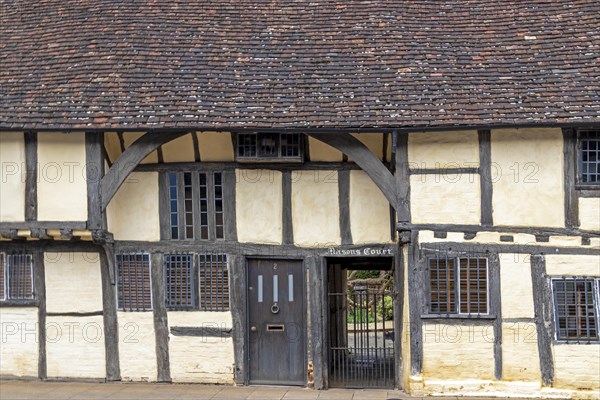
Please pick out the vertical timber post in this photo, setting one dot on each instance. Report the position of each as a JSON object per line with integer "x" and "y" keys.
{"x": 161, "y": 324}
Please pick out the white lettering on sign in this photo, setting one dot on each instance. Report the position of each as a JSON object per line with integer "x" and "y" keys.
{"x": 367, "y": 251}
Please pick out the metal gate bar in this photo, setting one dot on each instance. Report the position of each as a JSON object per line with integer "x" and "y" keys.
{"x": 362, "y": 344}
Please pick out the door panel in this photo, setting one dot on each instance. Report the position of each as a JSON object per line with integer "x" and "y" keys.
{"x": 276, "y": 313}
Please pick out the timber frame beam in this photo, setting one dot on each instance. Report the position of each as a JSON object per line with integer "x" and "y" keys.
{"x": 365, "y": 159}
{"x": 129, "y": 160}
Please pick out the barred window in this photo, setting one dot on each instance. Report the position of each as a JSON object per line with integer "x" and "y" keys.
{"x": 196, "y": 205}
{"x": 269, "y": 145}
{"x": 16, "y": 277}
{"x": 179, "y": 281}
{"x": 575, "y": 308}
{"x": 134, "y": 291}
{"x": 214, "y": 282}
{"x": 589, "y": 157}
{"x": 458, "y": 285}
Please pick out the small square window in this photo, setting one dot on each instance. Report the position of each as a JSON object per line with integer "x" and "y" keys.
{"x": 272, "y": 146}
{"x": 16, "y": 277}
{"x": 589, "y": 157}
{"x": 575, "y": 308}
{"x": 458, "y": 285}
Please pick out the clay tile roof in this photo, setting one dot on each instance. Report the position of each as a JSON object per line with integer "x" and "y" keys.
{"x": 83, "y": 64}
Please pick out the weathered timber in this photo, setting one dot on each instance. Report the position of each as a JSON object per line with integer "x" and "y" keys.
{"x": 570, "y": 160}
{"x": 542, "y": 304}
{"x": 238, "y": 296}
{"x": 485, "y": 179}
{"x": 344, "y": 206}
{"x": 416, "y": 302}
{"x": 31, "y": 171}
{"x": 287, "y": 223}
{"x": 94, "y": 168}
{"x": 111, "y": 325}
{"x": 496, "y": 309}
{"x": 39, "y": 284}
{"x": 161, "y": 324}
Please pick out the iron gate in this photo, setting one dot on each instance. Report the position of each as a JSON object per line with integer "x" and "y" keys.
{"x": 361, "y": 338}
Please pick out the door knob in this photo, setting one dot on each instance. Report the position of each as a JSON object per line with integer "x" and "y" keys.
{"x": 253, "y": 328}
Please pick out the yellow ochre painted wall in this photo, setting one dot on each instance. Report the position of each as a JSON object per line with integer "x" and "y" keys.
{"x": 315, "y": 208}
{"x": 572, "y": 265}
{"x": 130, "y": 137}
{"x": 589, "y": 213}
{"x": 445, "y": 199}
{"x": 369, "y": 211}
{"x": 12, "y": 177}
{"x": 62, "y": 185}
{"x": 457, "y": 149}
{"x": 259, "y": 206}
{"x": 320, "y": 151}
{"x": 83, "y": 293}
{"x": 215, "y": 146}
{"x": 133, "y": 213}
{"x": 454, "y": 351}
{"x": 527, "y": 171}
{"x": 179, "y": 150}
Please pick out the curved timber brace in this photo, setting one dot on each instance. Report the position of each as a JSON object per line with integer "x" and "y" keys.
{"x": 130, "y": 159}
{"x": 365, "y": 159}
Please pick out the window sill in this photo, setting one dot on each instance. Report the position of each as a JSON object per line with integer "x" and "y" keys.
{"x": 250, "y": 160}
{"x": 19, "y": 303}
{"x": 459, "y": 316}
{"x": 577, "y": 341}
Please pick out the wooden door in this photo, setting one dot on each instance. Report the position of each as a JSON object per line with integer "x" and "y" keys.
{"x": 276, "y": 315}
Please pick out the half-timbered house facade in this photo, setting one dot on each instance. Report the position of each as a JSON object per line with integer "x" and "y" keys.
{"x": 324, "y": 194}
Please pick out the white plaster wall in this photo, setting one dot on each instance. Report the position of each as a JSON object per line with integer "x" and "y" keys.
{"x": 215, "y": 146}
{"x": 133, "y": 212}
{"x": 73, "y": 282}
{"x": 62, "y": 186}
{"x": 445, "y": 199}
{"x": 454, "y": 352}
{"x": 573, "y": 265}
{"x": 259, "y": 206}
{"x": 527, "y": 176}
{"x": 315, "y": 208}
{"x": 589, "y": 213}
{"x": 577, "y": 366}
{"x": 12, "y": 177}
{"x": 320, "y": 151}
{"x": 137, "y": 351}
{"x": 201, "y": 359}
{"x": 520, "y": 356}
{"x": 179, "y": 150}
{"x": 19, "y": 341}
{"x": 516, "y": 286}
{"x": 369, "y": 210}
{"x": 75, "y": 347}
{"x": 456, "y": 149}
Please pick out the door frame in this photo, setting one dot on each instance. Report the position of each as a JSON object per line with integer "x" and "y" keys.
{"x": 246, "y": 327}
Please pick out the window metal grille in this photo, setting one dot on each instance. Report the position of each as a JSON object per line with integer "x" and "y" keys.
{"x": 442, "y": 288}
{"x": 18, "y": 277}
{"x": 575, "y": 309}
{"x": 473, "y": 290}
{"x": 214, "y": 282}
{"x": 179, "y": 281}
{"x": 218, "y": 194}
{"x": 203, "y": 206}
{"x": 458, "y": 285}
{"x": 134, "y": 291}
{"x": 2, "y": 277}
{"x": 269, "y": 145}
{"x": 589, "y": 157}
{"x": 173, "y": 199}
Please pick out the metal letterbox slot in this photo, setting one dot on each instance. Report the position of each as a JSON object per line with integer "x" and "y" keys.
{"x": 275, "y": 328}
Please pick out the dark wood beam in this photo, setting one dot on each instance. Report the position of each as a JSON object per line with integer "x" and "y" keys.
{"x": 544, "y": 317}
{"x": 570, "y": 159}
{"x": 31, "y": 177}
{"x": 161, "y": 324}
{"x": 344, "y": 205}
{"x": 365, "y": 159}
{"x": 129, "y": 160}
{"x": 401, "y": 172}
{"x": 485, "y": 178}
{"x": 94, "y": 170}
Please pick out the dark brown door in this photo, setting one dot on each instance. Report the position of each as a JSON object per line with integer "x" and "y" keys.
{"x": 276, "y": 316}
